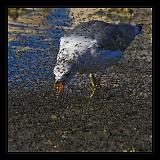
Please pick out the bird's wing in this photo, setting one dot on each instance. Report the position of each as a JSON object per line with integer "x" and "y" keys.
{"x": 115, "y": 37}
{"x": 108, "y": 36}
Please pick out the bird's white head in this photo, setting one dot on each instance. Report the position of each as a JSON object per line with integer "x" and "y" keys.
{"x": 70, "y": 50}
{"x": 63, "y": 75}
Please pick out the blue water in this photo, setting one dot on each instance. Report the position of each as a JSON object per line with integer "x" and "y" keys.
{"x": 34, "y": 66}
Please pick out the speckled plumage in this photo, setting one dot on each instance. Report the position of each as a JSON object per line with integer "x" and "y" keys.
{"x": 92, "y": 46}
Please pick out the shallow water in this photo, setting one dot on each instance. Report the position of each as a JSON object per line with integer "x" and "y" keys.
{"x": 31, "y": 54}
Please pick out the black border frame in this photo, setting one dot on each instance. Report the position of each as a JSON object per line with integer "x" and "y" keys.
{"x": 66, "y": 4}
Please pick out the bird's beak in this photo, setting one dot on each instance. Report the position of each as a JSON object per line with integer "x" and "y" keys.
{"x": 59, "y": 86}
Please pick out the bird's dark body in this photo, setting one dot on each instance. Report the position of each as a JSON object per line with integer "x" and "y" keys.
{"x": 110, "y": 36}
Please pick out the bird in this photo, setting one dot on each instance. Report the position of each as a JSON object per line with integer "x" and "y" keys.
{"x": 91, "y": 47}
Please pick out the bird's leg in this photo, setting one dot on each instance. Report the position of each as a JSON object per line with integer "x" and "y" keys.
{"x": 93, "y": 84}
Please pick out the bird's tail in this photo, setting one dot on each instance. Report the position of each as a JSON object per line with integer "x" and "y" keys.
{"x": 139, "y": 28}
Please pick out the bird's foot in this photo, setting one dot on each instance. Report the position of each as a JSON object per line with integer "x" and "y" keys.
{"x": 92, "y": 85}
{"x": 92, "y": 90}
